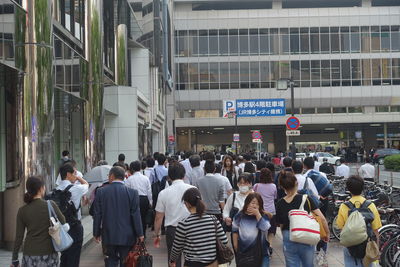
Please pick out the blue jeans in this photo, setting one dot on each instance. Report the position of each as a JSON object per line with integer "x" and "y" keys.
{"x": 350, "y": 261}
{"x": 297, "y": 254}
{"x": 265, "y": 262}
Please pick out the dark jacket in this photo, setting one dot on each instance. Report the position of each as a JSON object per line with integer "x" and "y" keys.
{"x": 326, "y": 168}
{"x": 117, "y": 215}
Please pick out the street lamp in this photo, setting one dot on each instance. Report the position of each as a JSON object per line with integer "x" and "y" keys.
{"x": 231, "y": 115}
{"x": 284, "y": 84}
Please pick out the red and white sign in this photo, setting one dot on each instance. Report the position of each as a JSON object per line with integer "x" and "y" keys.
{"x": 293, "y": 123}
{"x": 171, "y": 138}
{"x": 256, "y": 134}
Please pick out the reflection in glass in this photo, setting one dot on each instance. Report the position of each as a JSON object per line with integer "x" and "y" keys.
{"x": 325, "y": 44}
{"x": 366, "y": 71}
{"x": 213, "y": 42}
{"x": 233, "y": 42}
{"x": 254, "y": 42}
{"x": 193, "y": 76}
{"x": 204, "y": 76}
{"x": 244, "y": 41}
{"x": 305, "y": 73}
{"x": 265, "y": 75}
{"x": 224, "y": 75}
{"x": 223, "y": 42}
{"x": 355, "y": 72}
{"x": 203, "y": 42}
{"x": 244, "y": 74}
{"x": 254, "y": 75}
{"x": 315, "y": 73}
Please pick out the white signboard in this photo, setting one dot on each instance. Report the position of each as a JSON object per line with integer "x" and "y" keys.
{"x": 292, "y": 132}
{"x": 257, "y": 141}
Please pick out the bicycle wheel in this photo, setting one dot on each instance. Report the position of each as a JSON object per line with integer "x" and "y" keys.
{"x": 386, "y": 233}
{"x": 335, "y": 229}
{"x": 391, "y": 253}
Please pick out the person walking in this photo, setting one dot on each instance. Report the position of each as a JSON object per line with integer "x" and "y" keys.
{"x": 171, "y": 207}
{"x": 196, "y": 236}
{"x": 212, "y": 190}
{"x": 367, "y": 171}
{"x": 355, "y": 184}
{"x": 78, "y": 187}
{"x": 150, "y": 167}
{"x": 116, "y": 220}
{"x": 140, "y": 183}
{"x": 230, "y": 171}
{"x": 343, "y": 170}
{"x": 297, "y": 168}
{"x": 196, "y": 171}
{"x": 236, "y": 199}
{"x": 34, "y": 218}
{"x": 224, "y": 179}
{"x": 158, "y": 175}
{"x": 249, "y": 230}
{"x": 296, "y": 254}
{"x": 268, "y": 192}
{"x": 326, "y": 167}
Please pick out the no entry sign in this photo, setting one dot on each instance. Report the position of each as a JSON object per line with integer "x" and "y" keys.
{"x": 293, "y": 123}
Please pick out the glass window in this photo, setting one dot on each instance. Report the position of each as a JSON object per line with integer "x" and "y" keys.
{"x": 254, "y": 42}
{"x": 355, "y": 72}
{"x": 376, "y": 71}
{"x": 395, "y": 38}
{"x": 308, "y": 111}
{"x": 203, "y": 43}
{"x": 244, "y": 74}
{"x": 355, "y": 110}
{"x": 274, "y": 41}
{"x": 305, "y": 73}
{"x": 375, "y": 39}
{"x": 396, "y": 70}
{"x": 223, "y": 42}
{"x": 345, "y": 42}
{"x": 284, "y": 69}
{"x": 355, "y": 42}
{"x": 382, "y": 109}
{"x": 284, "y": 44}
{"x": 193, "y": 75}
{"x": 183, "y": 73}
{"x": 193, "y": 43}
{"x": 295, "y": 70}
{"x": 339, "y": 110}
{"x": 346, "y": 78}
{"x": 386, "y": 71}
{"x": 265, "y": 75}
{"x": 335, "y": 72}
{"x": 365, "y": 39}
{"x": 366, "y": 71}
{"x": 315, "y": 73}
{"x": 325, "y": 47}
{"x": 294, "y": 41}
{"x": 323, "y": 110}
{"x": 325, "y": 73}
{"x": 314, "y": 43}
{"x": 304, "y": 43}
{"x": 264, "y": 42}
{"x": 204, "y": 76}
{"x": 224, "y": 75}
{"x": 335, "y": 48}
{"x": 254, "y": 75}
{"x": 394, "y": 108}
{"x": 233, "y": 42}
{"x": 289, "y": 111}
{"x": 234, "y": 74}
{"x": 244, "y": 41}
{"x": 213, "y": 42}
{"x": 385, "y": 38}
{"x": 214, "y": 75}
{"x": 274, "y": 72}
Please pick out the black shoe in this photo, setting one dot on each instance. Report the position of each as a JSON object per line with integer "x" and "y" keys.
{"x": 270, "y": 251}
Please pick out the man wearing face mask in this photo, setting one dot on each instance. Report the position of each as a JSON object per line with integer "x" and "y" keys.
{"x": 212, "y": 190}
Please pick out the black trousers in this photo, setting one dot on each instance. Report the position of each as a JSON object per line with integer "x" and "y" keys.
{"x": 71, "y": 256}
{"x": 144, "y": 205}
{"x": 115, "y": 255}
{"x": 169, "y": 237}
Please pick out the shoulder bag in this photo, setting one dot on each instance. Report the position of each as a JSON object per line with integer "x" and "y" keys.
{"x": 304, "y": 228}
{"x": 224, "y": 253}
{"x": 59, "y": 236}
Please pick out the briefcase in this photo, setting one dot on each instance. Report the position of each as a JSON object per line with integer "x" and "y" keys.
{"x": 138, "y": 256}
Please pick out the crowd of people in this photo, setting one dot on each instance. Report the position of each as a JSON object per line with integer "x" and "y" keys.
{"x": 194, "y": 200}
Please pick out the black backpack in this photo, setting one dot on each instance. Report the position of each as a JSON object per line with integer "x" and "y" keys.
{"x": 63, "y": 200}
{"x": 157, "y": 187}
{"x": 358, "y": 251}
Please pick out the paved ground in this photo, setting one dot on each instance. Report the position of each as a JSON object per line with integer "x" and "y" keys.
{"x": 92, "y": 255}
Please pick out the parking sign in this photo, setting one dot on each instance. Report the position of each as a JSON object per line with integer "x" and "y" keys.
{"x": 229, "y": 106}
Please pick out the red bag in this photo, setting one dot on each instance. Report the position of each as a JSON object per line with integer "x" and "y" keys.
{"x": 133, "y": 256}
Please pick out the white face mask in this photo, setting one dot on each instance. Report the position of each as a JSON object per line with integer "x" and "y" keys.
{"x": 244, "y": 189}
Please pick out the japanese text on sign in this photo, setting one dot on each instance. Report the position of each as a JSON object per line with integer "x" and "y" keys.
{"x": 260, "y": 107}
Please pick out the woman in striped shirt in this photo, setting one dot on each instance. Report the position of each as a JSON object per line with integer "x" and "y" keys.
{"x": 196, "y": 235}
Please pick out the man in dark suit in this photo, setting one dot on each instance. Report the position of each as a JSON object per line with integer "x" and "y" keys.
{"x": 117, "y": 204}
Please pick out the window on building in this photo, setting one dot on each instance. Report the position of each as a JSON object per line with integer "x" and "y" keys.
{"x": 308, "y": 111}
{"x": 339, "y": 110}
{"x": 346, "y": 75}
{"x": 376, "y": 71}
{"x": 274, "y": 41}
{"x": 244, "y": 74}
{"x": 315, "y": 73}
{"x": 214, "y": 75}
{"x": 356, "y": 72}
{"x": 289, "y": 111}
{"x": 325, "y": 43}
{"x": 204, "y": 76}
{"x": 294, "y": 41}
{"x": 395, "y": 38}
{"x": 385, "y": 38}
{"x": 234, "y": 74}
{"x": 295, "y": 70}
{"x": 375, "y": 39}
{"x": 355, "y": 110}
{"x": 382, "y": 109}
{"x": 203, "y": 43}
{"x": 325, "y": 73}
{"x": 396, "y": 70}
{"x": 394, "y": 108}
{"x": 254, "y": 75}
{"x": 324, "y": 110}
{"x": 223, "y": 42}
{"x": 335, "y": 72}
{"x": 194, "y": 76}
{"x": 264, "y": 42}
{"x": 285, "y": 41}
{"x": 304, "y": 41}
{"x": 355, "y": 39}
{"x": 108, "y": 35}
{"x": 335, "y": 40}
{"x": 244, "y": 41}
{"x": 305, "y": 73}
{"x": 366, "y": 71}
{"x": 314, "y": 40}
{"x": 193, "y": 43}
{"x": 254, "y": 42}
{"x": 73, "y": 17}
{"x": 224, "y": 75}
{"x": 233, "y": 42}
{"x": 365, "y": 39}
{"x": 213, "y": 35}
{"x": 265, "y": 75}
{"x": 344, "y": 39}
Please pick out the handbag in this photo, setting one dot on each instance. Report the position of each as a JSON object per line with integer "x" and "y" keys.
{"x": 59, "y": 236}
{"x": 224, "y": 253}
{"x": 322, "y": 232}
{"x": 304, "y": 228}
{"x": 371, "y": 253}
{"x": 138, "y": 256}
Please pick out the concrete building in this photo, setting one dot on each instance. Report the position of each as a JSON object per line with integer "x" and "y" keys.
{"x": 344, "y": 57}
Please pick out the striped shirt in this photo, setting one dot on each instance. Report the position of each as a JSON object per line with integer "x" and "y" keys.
{"x": 196, "y": 237}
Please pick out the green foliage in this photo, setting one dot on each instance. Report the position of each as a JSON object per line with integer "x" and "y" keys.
{"x": 392, "y": 162}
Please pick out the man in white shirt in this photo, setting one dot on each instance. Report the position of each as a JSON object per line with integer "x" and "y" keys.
{"x": 317, "y": 164}
{"x": 186, "y": 162}
{"x": 170, "y": 206}
{"x": 225, "y": 180}
{"x": 141, "y": 183}
{"x": 71, "y": 256}
{"x": 150, "y": 167}
{"x": 343, "y": 170}
{"x": 196, "y": 171}
{"x": 297, "y": 168}
{"x": 367, "y": 171}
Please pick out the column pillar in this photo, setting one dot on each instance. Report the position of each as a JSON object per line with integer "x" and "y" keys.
{"x": 190, "y": 139}
{"x": 385, "y": 135}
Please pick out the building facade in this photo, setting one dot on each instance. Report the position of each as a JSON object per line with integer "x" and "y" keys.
{"x": 343, "y": 56}
{"x": 72, "y": 77}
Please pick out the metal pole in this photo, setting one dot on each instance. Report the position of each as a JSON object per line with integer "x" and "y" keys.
{"x": 292, "y": 101}
{"x": 236, "y": 131}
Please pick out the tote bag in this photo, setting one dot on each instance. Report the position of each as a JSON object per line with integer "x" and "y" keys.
{"x": 60, "y": 238}
{"x": 304, "y": 228}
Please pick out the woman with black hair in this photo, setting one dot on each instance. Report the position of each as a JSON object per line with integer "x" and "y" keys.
{"x": 196, "y": 235}
{"x": 34, "y": 217}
